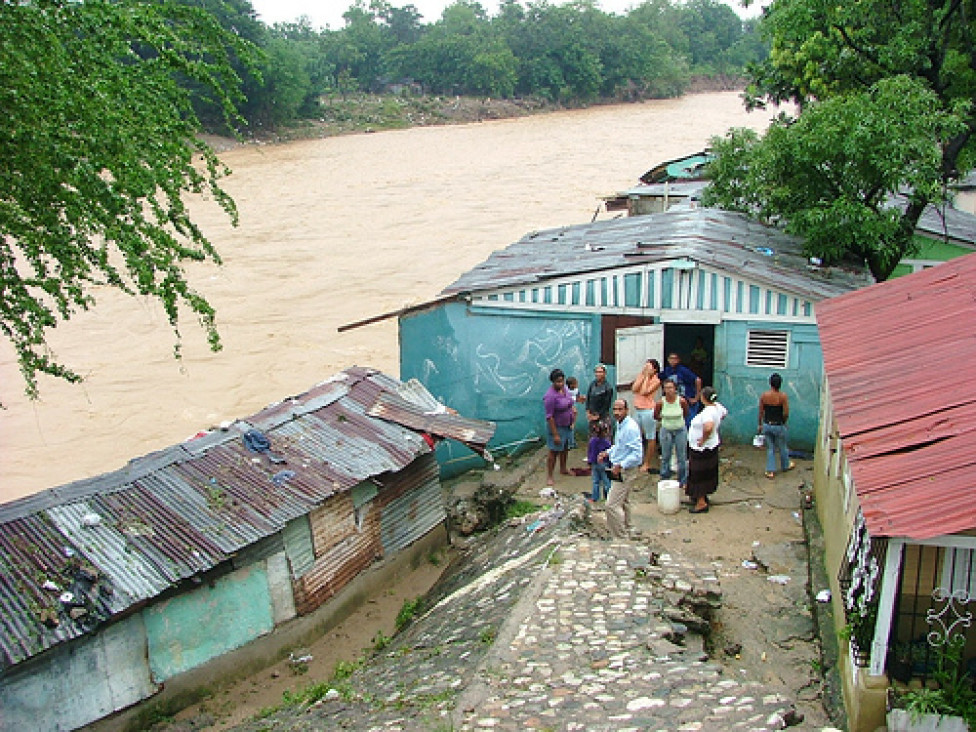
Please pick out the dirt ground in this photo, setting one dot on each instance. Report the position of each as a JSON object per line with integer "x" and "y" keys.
{"x": 752, "y": 535}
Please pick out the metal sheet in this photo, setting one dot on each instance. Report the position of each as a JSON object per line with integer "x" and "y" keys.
{"x": 193, "y": 508}
{"x": 900, "y": 360}
{"x": 727, "y": 241}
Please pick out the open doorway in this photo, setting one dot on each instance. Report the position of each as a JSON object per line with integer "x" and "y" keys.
{"x": 695, "y": 344}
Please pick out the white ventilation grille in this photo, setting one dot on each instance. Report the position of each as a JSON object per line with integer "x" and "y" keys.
{"x": 768, "y": 348}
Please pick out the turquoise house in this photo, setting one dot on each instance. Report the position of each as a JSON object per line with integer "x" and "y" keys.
{"x": 619, "y": 292}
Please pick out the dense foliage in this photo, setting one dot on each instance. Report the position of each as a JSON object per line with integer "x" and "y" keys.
{"x": 98, "y": 143}
{"x": 884, "y": 98}
{"x": 568, "y": 54}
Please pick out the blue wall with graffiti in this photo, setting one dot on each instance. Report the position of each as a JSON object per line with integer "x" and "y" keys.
{"x": 495, "y": 365}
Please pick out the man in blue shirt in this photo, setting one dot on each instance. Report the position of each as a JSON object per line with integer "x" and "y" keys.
{"x": 689, "y": 384}
{"x": 625, "y": 457}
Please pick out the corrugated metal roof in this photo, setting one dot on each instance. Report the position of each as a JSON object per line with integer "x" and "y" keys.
{"x": 900, "y": 360}
{"x": 122, "y": 538}
{"x": 728, "y": 241}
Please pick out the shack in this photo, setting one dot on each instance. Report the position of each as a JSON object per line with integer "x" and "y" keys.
{"x": 895, "y": 478}
{"x": 205, "y": 558}
{"x": 618, "y": 292}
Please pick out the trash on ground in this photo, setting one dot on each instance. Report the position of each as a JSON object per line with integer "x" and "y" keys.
{"x": 779, "y": 579}
{"x": 749, "y": 564}
{"x": 823, "y": 596}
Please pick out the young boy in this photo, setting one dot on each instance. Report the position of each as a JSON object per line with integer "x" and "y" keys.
{"x": 599, "y": 442}
{"x": 572, "y": 386}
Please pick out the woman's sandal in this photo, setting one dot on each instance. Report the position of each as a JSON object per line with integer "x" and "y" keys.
{"x": 770, "y": 475}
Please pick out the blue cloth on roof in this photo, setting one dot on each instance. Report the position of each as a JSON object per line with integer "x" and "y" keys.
{"x": 256, "y": 441}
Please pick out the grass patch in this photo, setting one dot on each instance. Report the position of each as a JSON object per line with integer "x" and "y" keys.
{"x": 380, "y": 641}
{"x": 408, "y": 611}
{"x": 309, "y": 695}
{"x": 517, "y": 509}
{"x": 344, "y": 669}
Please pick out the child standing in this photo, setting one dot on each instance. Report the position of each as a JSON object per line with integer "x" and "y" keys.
{"x": 599, "y": 442}
{"x": 572, "y": 386}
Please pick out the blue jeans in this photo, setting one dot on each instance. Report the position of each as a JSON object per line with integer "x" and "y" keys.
{"x": 600, "y": 478}
{"x": 776, "y": 443}
{"x": 678, "y": 440}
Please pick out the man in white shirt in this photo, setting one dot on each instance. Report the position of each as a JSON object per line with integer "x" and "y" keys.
{"x": 625, "y": 458}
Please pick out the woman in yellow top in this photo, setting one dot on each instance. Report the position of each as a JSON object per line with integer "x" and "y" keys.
{"x": 671, "y": 412}
{"x": 645, "y": 390}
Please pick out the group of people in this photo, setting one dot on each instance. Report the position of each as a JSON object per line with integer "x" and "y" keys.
{"x": 670, "y": 407}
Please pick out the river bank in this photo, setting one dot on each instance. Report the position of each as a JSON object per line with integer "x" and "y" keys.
{"x": 368, "y": 113}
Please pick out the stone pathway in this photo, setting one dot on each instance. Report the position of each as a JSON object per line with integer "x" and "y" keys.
{"x": 543, "y": 628}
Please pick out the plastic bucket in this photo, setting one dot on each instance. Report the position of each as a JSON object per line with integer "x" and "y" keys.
{"x": 668, "y": 498}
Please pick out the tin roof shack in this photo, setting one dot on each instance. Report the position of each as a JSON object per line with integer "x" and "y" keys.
{"x": 619, "y": 292}
{"x": 895, "y": 471}
{"x": 152, "y": 575}
{"x": 667, "y": 184}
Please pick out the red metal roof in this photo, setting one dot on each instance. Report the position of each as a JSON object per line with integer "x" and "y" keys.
{"x": 900, "y": 361}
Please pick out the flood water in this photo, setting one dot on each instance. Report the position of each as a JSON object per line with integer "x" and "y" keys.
{"x": 332, "y": 231}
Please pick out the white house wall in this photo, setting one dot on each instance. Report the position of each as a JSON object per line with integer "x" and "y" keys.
{"x": 80, "y": 682}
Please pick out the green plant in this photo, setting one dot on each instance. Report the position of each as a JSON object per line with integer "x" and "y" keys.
{"x": 859, "y": 630}
{"x": 309, "y": 695}
{"x": 408, "y": 611}
{"x": 487, "y": 636}
{"x": 380, "y": 641}
{"x": 517, "y": 509}
{"x": 344, "y": 669}
{"x": 953, "y": 695}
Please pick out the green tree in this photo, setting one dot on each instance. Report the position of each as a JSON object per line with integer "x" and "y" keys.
{"x": 99, "y": 148}
{"x": 831, "y": 59}
{"x": 286, "y": 83}
{"x": 830, "y": 175}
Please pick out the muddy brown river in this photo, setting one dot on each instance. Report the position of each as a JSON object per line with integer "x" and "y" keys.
{"x": 332, "y": 231}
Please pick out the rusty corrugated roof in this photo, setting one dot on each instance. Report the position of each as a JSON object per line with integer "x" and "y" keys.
{"x": 74, "y": 556}
{"x": 900, "y": 361}
{"x": 725, "y": 240}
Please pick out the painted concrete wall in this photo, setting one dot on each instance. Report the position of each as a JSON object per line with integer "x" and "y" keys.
{"x": 496, "y": 366}
{"x": 78, "y": 683}
{"x": 930, "y": 251}
{"x": 740, "y": 386}
{"x": 192, "y": 628}
{"x": 279, "y": 587}
{"x": 865, "y": 696}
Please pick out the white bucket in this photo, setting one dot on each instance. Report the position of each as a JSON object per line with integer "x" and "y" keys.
{"x": 668, "y": 498}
